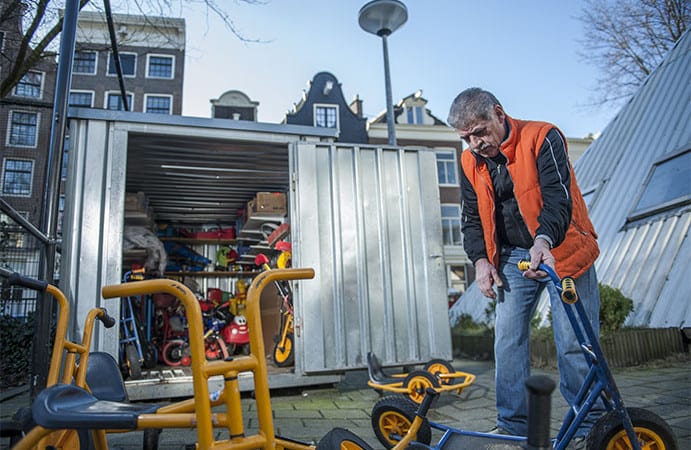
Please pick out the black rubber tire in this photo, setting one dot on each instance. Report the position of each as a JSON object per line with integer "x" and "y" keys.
{"x": 285, "y": 356}
{"x": 417, "y": 383}
{"x": 394, "y": 414}
{"x": 651, "y": 429}
{"x": 440, "y": 366}
{"x": 150, "y": 441}
{"x": 150, "y": 357}
{"x": 134, "y": 367}
{"x": 342, "y": 439}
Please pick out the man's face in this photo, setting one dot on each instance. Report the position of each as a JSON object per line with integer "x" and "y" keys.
{"x": 484, "y": 137}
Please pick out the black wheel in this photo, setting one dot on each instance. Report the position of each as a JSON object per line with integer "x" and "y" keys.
{"x": 439, "y": 367}
{"x": 284, "y": 355}
{"x": 417, "y": 383}
{"x": 652, "y": 431}
{"x": 134, "y": 367}
{"x": 392, "y": 417}
{"x": 342, "y": 439}
{"x": 151, "y": 438}
{"x": 150, "y": 357}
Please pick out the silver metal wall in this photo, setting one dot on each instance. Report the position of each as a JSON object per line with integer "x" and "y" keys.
{"x": 367, "y": 219}
{"x": 93, "y": 223}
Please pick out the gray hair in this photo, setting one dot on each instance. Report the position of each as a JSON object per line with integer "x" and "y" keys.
{"x": 471, "y": 105}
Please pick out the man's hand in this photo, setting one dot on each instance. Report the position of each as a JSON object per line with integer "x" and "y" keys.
{"x": 539, "y": 253}
{"x": 486, "y": 276}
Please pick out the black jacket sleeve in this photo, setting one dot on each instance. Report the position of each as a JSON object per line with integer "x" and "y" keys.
{"x": 473, "y": 238}
{"x": 555, "y": 182}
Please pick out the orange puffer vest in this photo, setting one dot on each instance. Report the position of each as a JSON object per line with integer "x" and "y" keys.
{"x": 579, "y": 249}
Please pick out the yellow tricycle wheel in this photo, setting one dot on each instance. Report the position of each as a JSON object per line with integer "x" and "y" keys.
{"x": 392, "y": 417}
{"x": 652, "y": 432}
{"x": 417, "y": 383}
{"x": 439, "y": 367}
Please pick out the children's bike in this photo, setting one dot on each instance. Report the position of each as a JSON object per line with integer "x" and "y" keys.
{"x": 284, "y": 348}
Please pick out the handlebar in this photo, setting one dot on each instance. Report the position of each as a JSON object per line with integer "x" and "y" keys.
{"x": 565, "y": 286}
{"x": 106, "y": 319}
{"x": 31, "y": 283}
{"x": 430, "y": 396}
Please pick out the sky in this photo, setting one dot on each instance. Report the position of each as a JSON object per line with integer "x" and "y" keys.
{"x": 525, "y": 51}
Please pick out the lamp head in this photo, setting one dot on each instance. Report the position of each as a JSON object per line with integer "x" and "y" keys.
{"x": 382, "y": 17}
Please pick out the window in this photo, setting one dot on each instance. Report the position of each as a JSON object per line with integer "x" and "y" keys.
{"x": 84, "y": 62}
{"x": 128, "y": 64}
{"x": 81, "y": 98}
{"x": 451, "y": 224}
{"x": 447, "y": 168}
{"x": 65, "y": 157}
{"x": 414, "y": 114}
{"x": 114, "y": 101}
{"x": 16, "y": 179}
{"x": 158, "y": 104}
{"x": 667, "y": 186}
{"x": 31, "y": 85}
{"x": 326, "y": 116}
{"x": 457, "y": 280}
{"x": 61, "y": 213}
{"x": 23, "y": 129}
{"x": 160, "y": 66}
{"x": 12, "y": 235}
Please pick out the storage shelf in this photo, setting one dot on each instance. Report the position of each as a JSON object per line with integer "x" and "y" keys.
{"x": 205, "y": 241}
{"x": 218, "y": 273}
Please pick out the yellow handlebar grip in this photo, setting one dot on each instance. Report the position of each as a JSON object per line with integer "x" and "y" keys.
{"x": 523, "y": 265}
{"x": 568, "y": 291}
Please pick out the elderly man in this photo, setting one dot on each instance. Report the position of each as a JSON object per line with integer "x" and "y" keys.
{"x": 521, "y": 201}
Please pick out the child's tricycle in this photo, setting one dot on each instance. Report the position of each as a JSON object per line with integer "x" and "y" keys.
{"x": 619, "y": 428}
{"x": 72, "y": 408}
{"x": 437, "y": 374}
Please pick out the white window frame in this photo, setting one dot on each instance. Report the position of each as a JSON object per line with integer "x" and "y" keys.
{"x": 130, "y": 100}
{"x": 9, "y": 128}
{"x": 95, "y": 52}
{"x": 40, "y": 88}
{"x": 316, "y": 106}
{"x": 136, "y": 61}
{"x": 31, "y": 177}
{"x": 450, "y": 274}
{"x": 147, "y": 96}
{"x": 454, "y": 154}
{"x": 417, "y": 112}
{"x": 444, "y": 218}
{"x": 83, "y": 91}
{"x": 160, "y": 55}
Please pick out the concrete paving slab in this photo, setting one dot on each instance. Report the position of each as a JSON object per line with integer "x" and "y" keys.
{"x": 308, "y": 413}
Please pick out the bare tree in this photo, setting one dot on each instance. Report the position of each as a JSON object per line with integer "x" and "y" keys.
{"x": 627, "y": 39}
{"x": 34, "y": 26}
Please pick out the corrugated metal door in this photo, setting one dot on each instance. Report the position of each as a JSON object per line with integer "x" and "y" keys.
{"x": 367, "y": 219}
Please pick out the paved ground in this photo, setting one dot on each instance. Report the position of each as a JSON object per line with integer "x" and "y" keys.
{"x": 307, "y": 414}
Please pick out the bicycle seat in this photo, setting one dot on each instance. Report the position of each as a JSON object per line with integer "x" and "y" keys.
{"x": 104, "y": 378}
{"x": 376, "y": 372}
{"x": 68, "y": 406}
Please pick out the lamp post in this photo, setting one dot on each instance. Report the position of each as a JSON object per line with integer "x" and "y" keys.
{"x": 383, "y": 17}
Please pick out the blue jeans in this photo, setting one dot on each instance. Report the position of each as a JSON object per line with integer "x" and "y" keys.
{"x": 516, "y": 304}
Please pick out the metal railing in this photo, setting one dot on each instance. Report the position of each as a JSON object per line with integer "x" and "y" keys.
{"x": 20, "y": 251}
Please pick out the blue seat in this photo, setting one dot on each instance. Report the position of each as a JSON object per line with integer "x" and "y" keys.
{"x": 65, "y": 406}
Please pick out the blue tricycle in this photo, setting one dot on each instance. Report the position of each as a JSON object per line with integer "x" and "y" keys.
{"x": 394, "y": 418}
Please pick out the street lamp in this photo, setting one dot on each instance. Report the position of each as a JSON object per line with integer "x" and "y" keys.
{"x": 383, "y": 17}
